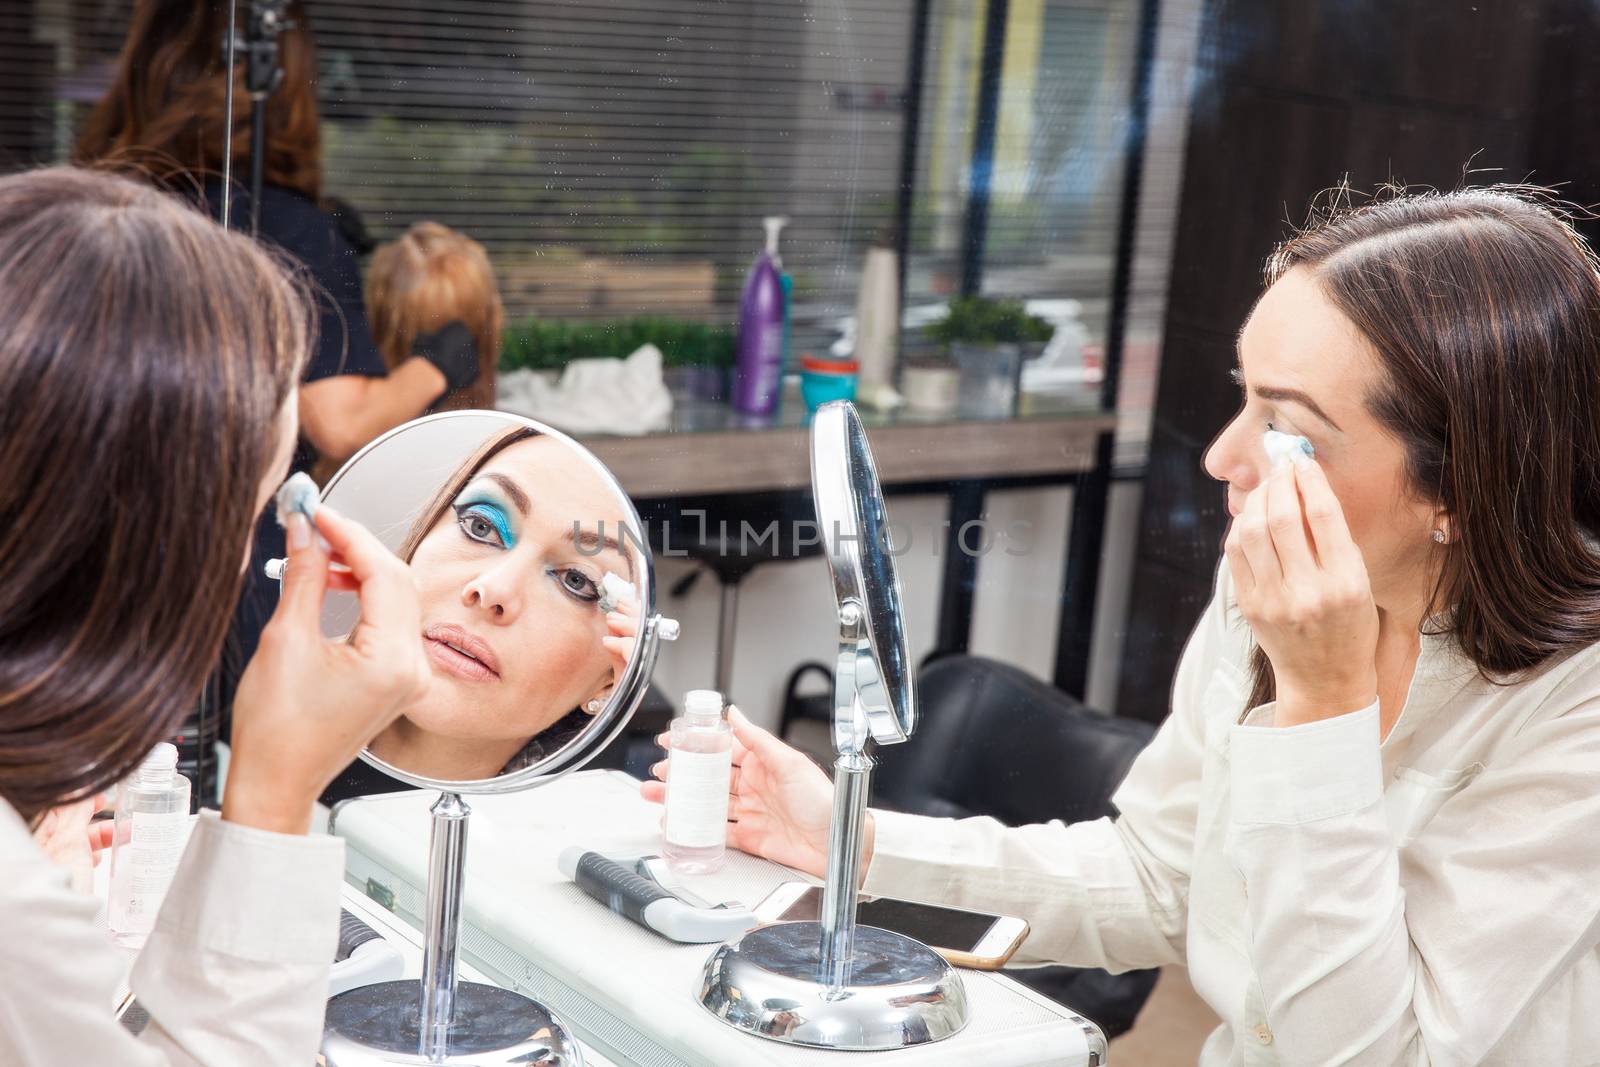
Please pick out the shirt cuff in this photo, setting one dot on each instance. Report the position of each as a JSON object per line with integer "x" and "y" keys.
{"x": 256, "y": 895}
{"x": 1298, "y": 774}
{"x": 904, "y": 858}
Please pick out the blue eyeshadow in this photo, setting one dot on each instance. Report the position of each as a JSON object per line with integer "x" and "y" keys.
{"x": 493, "y": 512}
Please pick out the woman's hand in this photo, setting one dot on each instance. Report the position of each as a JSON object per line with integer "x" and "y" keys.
{"x": 622, "y": 633}
{"x": 69, "y": 838}
{"x": 306, "y": 704}
{"x": 781, "y": 803}
{"x": 1303, "y": 587}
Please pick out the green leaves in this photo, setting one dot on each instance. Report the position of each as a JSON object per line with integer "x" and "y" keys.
{"x": 550, "y": 344}
{"x": 982, "y": 320}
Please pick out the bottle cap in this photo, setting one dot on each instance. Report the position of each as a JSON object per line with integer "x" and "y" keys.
{"x": 816, "y": 365}
{"x": 703, "y": 706}
{"x": 775, "y": 225}
{"x": 159, "y": 765}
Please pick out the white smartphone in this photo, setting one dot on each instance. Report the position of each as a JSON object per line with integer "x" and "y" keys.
{"x": 965, "y": 938}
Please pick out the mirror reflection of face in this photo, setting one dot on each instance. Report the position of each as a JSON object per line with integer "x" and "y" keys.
{"x": 509, "y": 579}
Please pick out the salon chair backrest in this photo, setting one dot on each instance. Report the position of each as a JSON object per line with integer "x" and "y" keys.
{"x": 993, "y": 740}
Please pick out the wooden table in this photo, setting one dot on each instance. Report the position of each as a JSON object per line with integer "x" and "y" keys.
{"x": 907, "y": 452}
{"x": 711, "y": 450}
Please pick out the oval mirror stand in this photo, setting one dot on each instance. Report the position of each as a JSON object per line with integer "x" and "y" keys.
{"x": 832, "y": 984}
{"x": 441, "y": 1019}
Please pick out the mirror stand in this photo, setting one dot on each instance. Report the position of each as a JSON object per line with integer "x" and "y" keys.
{"x": 832, "y": 984}
{"x": 441, "y": 1020}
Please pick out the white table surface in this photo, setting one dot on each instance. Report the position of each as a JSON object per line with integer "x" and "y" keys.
{"x": 618, "y": 986}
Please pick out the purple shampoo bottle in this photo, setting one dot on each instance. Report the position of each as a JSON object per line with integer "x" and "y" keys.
{"x": 759, "y": 360}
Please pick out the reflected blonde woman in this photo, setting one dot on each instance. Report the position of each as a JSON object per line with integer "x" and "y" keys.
{"x": 425, "y": 279}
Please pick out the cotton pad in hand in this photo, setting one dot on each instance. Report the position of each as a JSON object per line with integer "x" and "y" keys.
{"x": 614, "y": 592}
{"x": 297, "y": 493}
{"x": 1281, "y": 446}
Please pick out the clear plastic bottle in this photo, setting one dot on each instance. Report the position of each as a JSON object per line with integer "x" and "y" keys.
{"x": 699, "y": 759}
{"x": 151, "y": 831}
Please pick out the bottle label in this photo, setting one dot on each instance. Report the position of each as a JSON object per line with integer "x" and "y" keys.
{"x": 153, "y": 850}
{"x": 697, "y": 797}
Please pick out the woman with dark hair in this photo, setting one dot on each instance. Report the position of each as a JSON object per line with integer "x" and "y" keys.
{"x": 1369, "y": 824}
{"x": 148, "y": 362}
{"x": 165, "y": 118}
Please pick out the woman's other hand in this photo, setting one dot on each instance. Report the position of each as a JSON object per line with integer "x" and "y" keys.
{"x": 306, "y": 704}
{"x": 1302, "y": 586}
{"x": 622, "y": 634}
{"x": 68, "y": 836}
{"x": 781, "y": 804}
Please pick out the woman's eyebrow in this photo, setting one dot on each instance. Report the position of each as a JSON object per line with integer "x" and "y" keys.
{"x": 1272, "y": 392}
{"x": 512, "y": 489}
{"x": 591, "y": 542}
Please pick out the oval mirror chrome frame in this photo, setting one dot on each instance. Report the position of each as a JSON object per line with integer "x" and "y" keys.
{"x": 851, "y": 512}
{"x": 798, "y": 982}
{"x": 630, "y": 689}
{"x": 488, "y": 1024}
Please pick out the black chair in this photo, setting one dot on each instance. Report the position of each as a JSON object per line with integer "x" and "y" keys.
{"x": 996, "y": 741}
{"x": 798, "y": 706}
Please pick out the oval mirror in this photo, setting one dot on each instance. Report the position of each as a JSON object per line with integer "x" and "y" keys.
{"x": 857, "y": 535}
{"x": 537, "y": 595}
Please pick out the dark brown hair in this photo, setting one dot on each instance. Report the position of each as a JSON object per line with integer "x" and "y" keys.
{"x": 167, "y": 107}
{"x": 1483, "y": 307}
{"x": 422, "y": 280}
{"x": 145, "y": 360}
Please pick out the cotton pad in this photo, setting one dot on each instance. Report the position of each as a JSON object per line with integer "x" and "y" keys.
{"x": 614, "y": 591}
{"x": 1281, "y": 446}
{"x": 298, "y": 493}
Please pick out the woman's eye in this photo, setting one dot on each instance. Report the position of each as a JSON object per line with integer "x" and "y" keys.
{"x": 479, "y": 525}
{"x": 579, "y": 584}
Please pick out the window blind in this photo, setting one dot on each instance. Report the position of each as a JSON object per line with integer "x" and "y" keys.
{"x": 616, "y": 157}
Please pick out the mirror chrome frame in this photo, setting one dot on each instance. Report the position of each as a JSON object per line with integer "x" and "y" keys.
{"x": 630, "y": 688}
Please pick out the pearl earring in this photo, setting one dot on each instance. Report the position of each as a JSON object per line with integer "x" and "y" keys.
{"x": 1438, "y": 537}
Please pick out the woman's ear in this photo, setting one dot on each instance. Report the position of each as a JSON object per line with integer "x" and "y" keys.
{"x": 1443, "y": 528}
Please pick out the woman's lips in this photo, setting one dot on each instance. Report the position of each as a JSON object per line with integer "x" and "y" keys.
{"x": 461, "y": 653}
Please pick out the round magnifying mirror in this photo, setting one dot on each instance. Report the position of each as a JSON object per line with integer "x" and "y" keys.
{"x": 857, "y": 534}
{"x": 829, "y": 984}
{"x": 537, "y": 596}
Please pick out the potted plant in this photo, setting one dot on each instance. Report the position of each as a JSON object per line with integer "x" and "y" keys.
{"x": 989, "y": 340}
{"x": 695, "y": 355}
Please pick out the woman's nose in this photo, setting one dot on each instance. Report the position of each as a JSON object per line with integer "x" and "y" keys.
{"x": 1233, "y": 457}
{"x": 497, "y": 591}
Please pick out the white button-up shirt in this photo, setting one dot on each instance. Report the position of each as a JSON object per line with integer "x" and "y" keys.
{"x": 1430, "y": 900}
{"x": 235, "y": 972}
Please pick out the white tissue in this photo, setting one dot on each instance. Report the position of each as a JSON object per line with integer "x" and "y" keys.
{"x": 297, "y": 493}
{"x": 614, "y": 592}
{"x": 1281, "y": 446}
{"x": 616, "y": 396}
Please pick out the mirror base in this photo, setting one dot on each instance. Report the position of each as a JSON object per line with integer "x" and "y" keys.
{"x": 900, "y": 992}
{"x": 377, "y": 1026}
